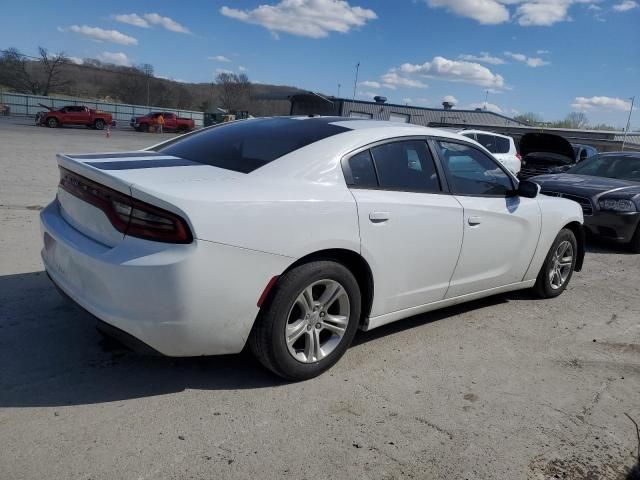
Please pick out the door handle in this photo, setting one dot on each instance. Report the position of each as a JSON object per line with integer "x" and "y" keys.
{"x": 473, "y": 221}
{"x": 378, "y": 217}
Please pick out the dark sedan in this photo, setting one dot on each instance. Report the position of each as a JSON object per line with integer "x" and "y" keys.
{"x": 607, "y": 186}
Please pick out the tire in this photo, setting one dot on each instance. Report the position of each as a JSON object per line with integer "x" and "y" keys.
{"x": 99, "y": 124}
{"x": 52, "y": 122}
{"x": 144, "y": 127}
{"x": 634, "y": 244}
{"x": 331, "y": 325}
{"x": 556, "y": 274}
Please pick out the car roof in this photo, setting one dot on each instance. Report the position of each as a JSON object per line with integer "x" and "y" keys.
{"x": 485, "y": 132}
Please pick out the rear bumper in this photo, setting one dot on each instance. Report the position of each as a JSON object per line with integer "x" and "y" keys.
{"x": 181, "y": 300}
{"x": 618, "y": 227}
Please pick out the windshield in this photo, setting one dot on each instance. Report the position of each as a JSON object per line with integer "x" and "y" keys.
{"x": 623, "y": 167}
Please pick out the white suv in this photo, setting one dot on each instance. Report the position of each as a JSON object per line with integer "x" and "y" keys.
{"x": 502, "y": 147}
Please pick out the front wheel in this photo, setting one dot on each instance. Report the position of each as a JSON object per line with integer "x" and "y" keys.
{"x": 308, "y": 322}
{"x": 558, "y": 267}
{"x": 52, "y": 122}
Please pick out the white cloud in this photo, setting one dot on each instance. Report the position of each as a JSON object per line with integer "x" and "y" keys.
{"x": 102, "y": 35}
{"x": 532, "y": 62}
{"x": 488, "y": 12}
{"x": 524, "y": 12}
{"x": 117, "y": 58}
{"x": 131, "y": 19}
{"x": 407, "y": 100}
{"x": 484, "y": 57}
{"x": 607, "y": 103}
{"x": 76, "y": 60}
{"x": 370, "y": 84}
{"x": 242, "y": 68}
{"x": 165, "y": 22}
{"x": 305, "y": 18}
{"x": 625, "y": 6}
{"x": 223, "y": 70}
{"x": 392, "y": 80}
{"x": 450, "y": 99}
{"x": 491, "y": 107}
{"x": 543, "y": 52}
{"x": 219, "y": 58}
{"x": 456, "y": 71}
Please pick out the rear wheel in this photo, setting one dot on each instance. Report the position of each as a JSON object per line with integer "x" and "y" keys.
{"x": 52, "y": 122}
{"x": 308, "y": 322}
{"x": 99, "y": 124}
{"x": 557, "y": 270}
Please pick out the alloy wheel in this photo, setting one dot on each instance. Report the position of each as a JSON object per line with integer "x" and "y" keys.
{"x": 317, "y": 321}
{"x": 561, "y": 265}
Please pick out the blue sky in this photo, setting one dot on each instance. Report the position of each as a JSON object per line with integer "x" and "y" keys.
{"x": 546, "y": 56}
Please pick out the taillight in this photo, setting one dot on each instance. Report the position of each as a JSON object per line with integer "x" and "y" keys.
{"x": 518, "y": 156}
{"x": 126, "y": 214}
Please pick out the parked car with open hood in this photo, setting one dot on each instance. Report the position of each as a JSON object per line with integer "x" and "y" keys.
{"x": 607, "y": 187}
{"x": 544, "y": 153}
{"x": 74, "y": 115}
{"x": 290, "y": 233}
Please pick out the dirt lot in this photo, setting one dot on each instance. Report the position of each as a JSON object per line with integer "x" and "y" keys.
{"x": 507, "y": 388}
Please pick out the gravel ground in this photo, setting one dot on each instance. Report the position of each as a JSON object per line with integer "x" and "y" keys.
{"x": 508, "y": 387}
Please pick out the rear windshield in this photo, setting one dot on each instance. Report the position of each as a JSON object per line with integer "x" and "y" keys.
{"x": 494, "y": 144}
{"x": 246, "y": 145}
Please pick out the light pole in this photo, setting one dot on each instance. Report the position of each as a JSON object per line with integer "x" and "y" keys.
{"x": 486, "y": 96}
{"x": 624, "y": 138}
{"x": 339, "y": 90}
{"x": 355, "y": 83}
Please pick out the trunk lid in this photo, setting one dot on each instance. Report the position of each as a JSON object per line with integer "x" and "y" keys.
{"x": 133, "y": 174}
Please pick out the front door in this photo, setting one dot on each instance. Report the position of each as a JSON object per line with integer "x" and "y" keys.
{"x": 411, "y": 233}
{"x": 501, "y": 230}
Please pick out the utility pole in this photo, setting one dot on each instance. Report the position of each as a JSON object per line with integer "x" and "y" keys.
{"x": 486, "y": 96}
{"x": 355, "y": 83}
{"x": 624, "y": 138}
{"x": 148, "y": 76}
{"x": 339, "y": 90}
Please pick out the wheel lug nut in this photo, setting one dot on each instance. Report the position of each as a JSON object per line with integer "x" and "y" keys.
{"x": 318, "y": 326}
{"x": 322, "y": 314}
{"x": 308, "y": 327}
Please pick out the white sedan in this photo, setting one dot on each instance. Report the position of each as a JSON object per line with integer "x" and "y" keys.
{"x": 291, "y": 233}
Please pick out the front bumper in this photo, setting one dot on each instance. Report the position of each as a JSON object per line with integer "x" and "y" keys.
{"x": 181, "y": 300}
{"x": 618, "y": 227}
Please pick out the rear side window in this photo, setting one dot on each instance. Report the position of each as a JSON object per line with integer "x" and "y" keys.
{"x": 363, "y": 173}
{"x": 246, "y": 145}
{"x": 406, "y": 166}
{"x": 494, "y": 144}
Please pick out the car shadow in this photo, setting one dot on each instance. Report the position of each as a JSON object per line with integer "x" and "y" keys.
{"x": 52, "y": 355}
{"x": 601, "y": 245}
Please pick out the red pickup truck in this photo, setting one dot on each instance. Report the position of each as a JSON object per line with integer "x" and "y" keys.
{"x": 74, "y": 115}
{"x": 172, "y": 123}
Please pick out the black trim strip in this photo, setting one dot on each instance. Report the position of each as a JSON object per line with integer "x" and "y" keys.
{"x": 92, "y": 156}
{"x": 141, "y": 164}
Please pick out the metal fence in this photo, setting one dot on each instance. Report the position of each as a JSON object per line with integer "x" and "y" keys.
{"x": 28, "y": 105}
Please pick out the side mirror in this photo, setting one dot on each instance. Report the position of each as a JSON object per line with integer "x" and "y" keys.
{"x": 528, "y": 189}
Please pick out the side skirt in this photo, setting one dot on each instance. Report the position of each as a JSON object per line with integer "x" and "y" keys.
{"x": 380, "y": 320}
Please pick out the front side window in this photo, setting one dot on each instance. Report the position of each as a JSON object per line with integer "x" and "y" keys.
{"x": 406, "y": 166}
{"x": 471, "y": 172}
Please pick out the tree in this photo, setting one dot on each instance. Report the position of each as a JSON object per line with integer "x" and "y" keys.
{"x": 235, "y": 90}
{"x": 14, "y": 73}
{"x": 576, "y": 120}
{"x": 52, "y": 65}
{"x": 530, "y": 118}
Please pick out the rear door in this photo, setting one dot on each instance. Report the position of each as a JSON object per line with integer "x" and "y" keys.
{"x": 501, "y": 230}
{"x": 411, "y": 232}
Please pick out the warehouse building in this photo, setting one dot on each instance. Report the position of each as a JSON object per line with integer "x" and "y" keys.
{"x": 311, "y": 103}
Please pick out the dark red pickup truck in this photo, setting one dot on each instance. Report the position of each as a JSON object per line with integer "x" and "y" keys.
{"x": 74, "y": 115}
{"x": 172, "y": 123}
